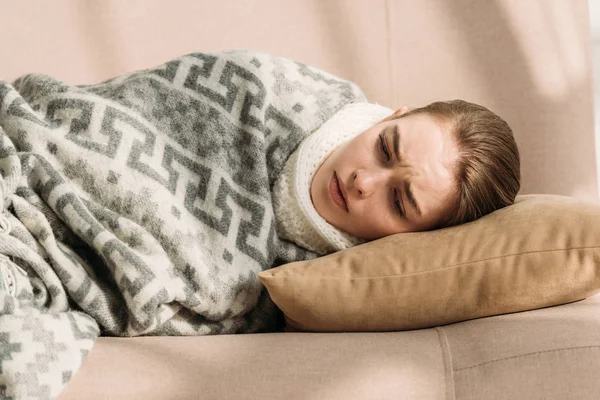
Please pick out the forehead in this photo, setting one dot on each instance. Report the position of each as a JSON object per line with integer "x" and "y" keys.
{"x": 424, "y": 134}
{"x": 427, "y": 152}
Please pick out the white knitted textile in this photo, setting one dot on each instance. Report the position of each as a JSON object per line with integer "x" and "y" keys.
{"x": 296, "y": 217}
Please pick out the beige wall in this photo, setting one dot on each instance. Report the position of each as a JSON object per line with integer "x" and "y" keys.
{"x": 527, "y": 60}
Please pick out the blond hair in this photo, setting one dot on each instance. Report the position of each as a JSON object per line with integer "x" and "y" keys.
{"x": 487, "y": 170}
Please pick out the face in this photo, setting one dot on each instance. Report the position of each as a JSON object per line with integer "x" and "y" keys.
{"x": 369, "y": 191}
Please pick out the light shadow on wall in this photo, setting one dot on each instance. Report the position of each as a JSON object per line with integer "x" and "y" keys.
{"x": 105, "y": 46}
{"x": 342, "y": 36}
{"x": 556, "y": 62}
{"x": 548, "y": 75}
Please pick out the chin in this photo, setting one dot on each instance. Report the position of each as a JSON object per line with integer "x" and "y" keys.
{"x": 350, "y": 232}
{"x": 332, "y": 222}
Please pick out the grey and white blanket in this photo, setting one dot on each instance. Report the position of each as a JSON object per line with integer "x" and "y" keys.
{"x": 142, "y": 205}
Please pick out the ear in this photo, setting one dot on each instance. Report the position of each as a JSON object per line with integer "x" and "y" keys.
{"x": 400, "y": 111}
{"x": 396, "y": 114}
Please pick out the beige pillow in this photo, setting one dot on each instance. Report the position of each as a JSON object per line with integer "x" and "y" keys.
{"x": 542, "y": 251}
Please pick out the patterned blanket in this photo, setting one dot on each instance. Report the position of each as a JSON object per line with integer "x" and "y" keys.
{"x": 142, "y": 205}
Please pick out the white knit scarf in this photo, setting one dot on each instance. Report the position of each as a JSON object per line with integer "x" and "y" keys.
{"x": 296, "y": 217}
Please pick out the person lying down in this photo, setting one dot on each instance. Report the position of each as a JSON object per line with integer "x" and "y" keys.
{"x": 148, "y": 204}
{"x": 360, "y": 178}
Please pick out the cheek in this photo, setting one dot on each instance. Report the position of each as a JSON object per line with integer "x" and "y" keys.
{"x": 378, "y": 221}
{"x": 357, "y": 151}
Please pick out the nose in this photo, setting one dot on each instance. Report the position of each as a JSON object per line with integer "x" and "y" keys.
{"x": 367, "y": 181}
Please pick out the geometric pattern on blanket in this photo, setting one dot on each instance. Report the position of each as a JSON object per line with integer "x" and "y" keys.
{"x": 142, "y": 205}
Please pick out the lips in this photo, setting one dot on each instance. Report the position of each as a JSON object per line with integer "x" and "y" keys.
{"x": 336, "y": 194}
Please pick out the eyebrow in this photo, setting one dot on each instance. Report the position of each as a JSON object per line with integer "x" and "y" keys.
{"x": 407, "y": 190}
{"x": 397, "y": 142}
{"x": 411, "y": 197}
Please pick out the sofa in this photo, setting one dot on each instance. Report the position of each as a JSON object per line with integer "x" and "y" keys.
{"x": 550, "y": 353}
{"x": 528, "y": 61}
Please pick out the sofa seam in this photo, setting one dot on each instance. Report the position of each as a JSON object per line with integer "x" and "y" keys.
{"x": 527, "y": 355}
{"x": 524, "y": 253}
{"x": 450, "y": 391}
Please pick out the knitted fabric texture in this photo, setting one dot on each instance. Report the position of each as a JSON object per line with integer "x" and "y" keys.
{"x": 297, "y": 219}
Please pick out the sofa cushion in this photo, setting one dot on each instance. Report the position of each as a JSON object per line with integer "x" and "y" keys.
{"x": 291, "y": 366}
{"x": 551, "y": 353}
{"x": 541, "y": 251}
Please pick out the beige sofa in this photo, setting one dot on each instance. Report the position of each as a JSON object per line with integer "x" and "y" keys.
{"x": 527, "y": 60}
{"x": 552, "y": 353}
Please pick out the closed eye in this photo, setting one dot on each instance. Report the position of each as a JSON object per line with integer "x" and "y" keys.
{"x": 397, "y": 205}
{"x": 385, "y": 150}
{"x": 384, "y": 147}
